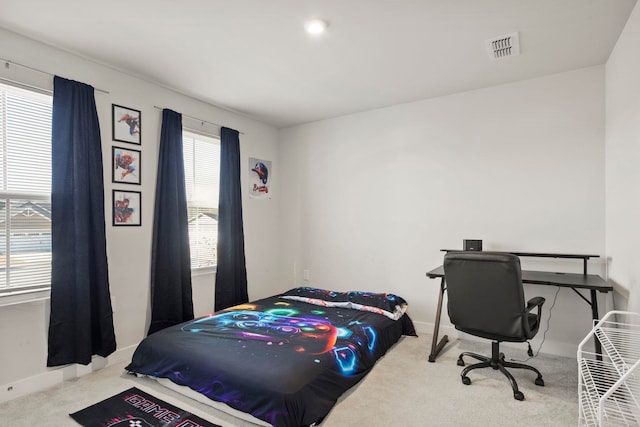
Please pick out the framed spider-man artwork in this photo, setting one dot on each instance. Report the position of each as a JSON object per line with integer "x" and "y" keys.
{"x": 126, "y": 124}
{"x": 126, "y": 207}
{"x": 126, "y": 165}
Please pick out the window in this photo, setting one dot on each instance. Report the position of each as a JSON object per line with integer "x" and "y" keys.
{"x": 202, "y": 171}
{"x": 25, "y": 190}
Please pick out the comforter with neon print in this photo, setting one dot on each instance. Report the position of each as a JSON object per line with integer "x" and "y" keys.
{"x": 283, "y": 361}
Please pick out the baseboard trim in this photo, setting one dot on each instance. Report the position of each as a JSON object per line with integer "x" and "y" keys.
{"x": 555, "y": 348}
{"x": 56, "y": 376}
{"x": 423, "y": 328}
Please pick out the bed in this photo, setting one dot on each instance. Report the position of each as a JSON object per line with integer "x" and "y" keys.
{"x": 285, "y": 359}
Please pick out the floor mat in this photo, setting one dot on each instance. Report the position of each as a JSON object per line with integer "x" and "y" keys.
{"x": 135, "y": 408}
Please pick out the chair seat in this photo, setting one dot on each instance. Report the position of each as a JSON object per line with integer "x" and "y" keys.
{"x": 533, "y": 326}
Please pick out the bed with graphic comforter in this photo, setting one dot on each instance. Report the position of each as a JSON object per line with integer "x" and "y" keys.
{"x": 285, "y": 359}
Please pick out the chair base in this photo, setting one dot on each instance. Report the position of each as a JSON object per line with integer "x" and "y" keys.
{"x": 496, "y": 361}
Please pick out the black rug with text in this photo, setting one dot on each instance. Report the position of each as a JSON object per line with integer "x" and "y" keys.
{"x": 135, "y": 408}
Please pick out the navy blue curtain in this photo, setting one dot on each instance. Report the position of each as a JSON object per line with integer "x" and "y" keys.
{"x": 231, "y": 273}
{"x": 171, "y": 299}
{"x": 81, "y": 319}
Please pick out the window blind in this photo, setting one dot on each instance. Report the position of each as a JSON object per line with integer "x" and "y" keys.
{"x": 25, "y": 190}
{"x": 202, "y": 172}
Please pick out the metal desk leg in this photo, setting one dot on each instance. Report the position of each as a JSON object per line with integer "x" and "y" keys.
{"x": 595, "y": 317}
{"x": 436, "y": 346}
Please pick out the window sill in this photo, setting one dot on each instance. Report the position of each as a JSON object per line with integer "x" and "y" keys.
{"x": 22, "y": 297}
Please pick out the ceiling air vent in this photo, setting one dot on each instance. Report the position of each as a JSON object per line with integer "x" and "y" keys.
{"x": 503, "y": 46}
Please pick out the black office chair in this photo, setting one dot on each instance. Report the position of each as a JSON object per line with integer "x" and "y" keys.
{"x": 486, "y": 299}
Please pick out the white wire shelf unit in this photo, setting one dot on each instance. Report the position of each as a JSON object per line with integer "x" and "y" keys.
{"x": 609, "y": 383}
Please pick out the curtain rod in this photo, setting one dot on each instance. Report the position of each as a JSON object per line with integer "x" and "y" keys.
{"x": 8, "y": 62}
{"x": 197, "y": 119}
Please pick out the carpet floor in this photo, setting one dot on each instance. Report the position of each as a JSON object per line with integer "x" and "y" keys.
{"x": 403, "y": 389}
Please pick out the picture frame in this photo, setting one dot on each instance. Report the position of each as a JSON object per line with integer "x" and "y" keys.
{"x": 127, "y": 208}
{"x": 259, "y": 178}
{"x": 126, "y": 124}
{"x": 126, "y": 166}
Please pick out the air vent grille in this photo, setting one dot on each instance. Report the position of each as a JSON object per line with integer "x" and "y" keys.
{"x": 503, "y": 46}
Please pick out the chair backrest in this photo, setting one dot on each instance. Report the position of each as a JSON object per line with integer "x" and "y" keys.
{"x": 485, "y": 294}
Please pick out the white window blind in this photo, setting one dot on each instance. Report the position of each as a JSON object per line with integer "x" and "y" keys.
{"x": 202, "y": 172}
{"x": 25, "y": 190}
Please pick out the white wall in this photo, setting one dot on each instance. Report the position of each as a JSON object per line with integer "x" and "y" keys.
{"x": 23, "y": 327}
{"x": 369, "y": 199}
{"x": 622, "y": 161}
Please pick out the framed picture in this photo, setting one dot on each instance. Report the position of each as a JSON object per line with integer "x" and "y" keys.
{"x": 126, "y": 124}
{"x": 126, "y": 207}
{"x": 126, "y": 165}
{"x": 259, "y": 178}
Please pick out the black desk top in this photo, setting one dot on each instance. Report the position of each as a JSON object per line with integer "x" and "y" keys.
{"x": 566, "y": 280}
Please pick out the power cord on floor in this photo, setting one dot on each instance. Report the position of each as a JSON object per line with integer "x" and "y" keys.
{"x": 544, "y": 335}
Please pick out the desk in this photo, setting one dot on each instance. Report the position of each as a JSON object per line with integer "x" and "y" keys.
{"x": 591, "y": 282}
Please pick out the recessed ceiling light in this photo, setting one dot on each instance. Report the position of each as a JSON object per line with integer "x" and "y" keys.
{"x": 315, "y": 26}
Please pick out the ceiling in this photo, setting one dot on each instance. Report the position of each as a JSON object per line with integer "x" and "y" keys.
{"x": 254, "y": 57}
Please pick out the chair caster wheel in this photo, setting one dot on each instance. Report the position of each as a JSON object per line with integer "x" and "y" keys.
{"x": 518, "y": 395}
{"x": 539, "y": 381}
{"x": 466, "y": 380}
{"x": 460, "y": 362}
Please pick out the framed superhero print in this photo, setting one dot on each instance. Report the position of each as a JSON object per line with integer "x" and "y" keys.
{"x": 126, "y": 125}
{"x": 125, "y": 165}
{"x": 126, "y": 207}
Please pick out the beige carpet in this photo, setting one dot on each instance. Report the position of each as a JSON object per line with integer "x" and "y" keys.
{"x": 403, "y": 389}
